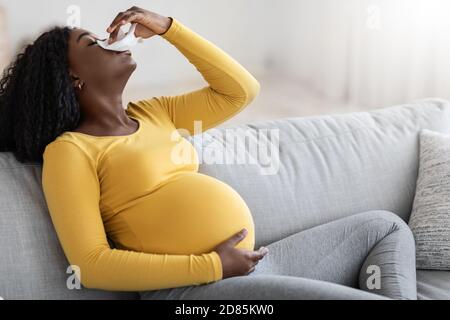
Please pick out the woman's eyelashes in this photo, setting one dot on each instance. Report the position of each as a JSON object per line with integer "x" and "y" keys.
{"x": 95, "y": 42}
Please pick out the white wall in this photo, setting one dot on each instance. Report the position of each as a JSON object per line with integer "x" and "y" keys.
{"x": 369, "y": 53}
{"x": 372, "y": 53}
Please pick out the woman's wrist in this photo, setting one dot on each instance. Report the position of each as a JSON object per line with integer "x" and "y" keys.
{"x": 166, "y": 23}
{"x": 158, "y": 24}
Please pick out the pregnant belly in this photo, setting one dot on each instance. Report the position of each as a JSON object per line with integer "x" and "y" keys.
{"x": 189, "y": 215}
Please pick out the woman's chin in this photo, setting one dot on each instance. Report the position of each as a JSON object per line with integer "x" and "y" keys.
{"x": 127, "y": 67}
{"x": 132, "y": 63}
{"x": 129, "y": 62}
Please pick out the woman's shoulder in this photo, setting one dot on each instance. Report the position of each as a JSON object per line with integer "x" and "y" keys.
{"x": 65, "y": 155}
{"x": 68, "y": 145}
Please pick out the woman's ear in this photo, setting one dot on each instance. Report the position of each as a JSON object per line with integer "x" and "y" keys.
{"x": 77, "y": 82}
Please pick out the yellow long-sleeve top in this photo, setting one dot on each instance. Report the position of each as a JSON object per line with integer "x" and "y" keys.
{"x": 163, "y": 216}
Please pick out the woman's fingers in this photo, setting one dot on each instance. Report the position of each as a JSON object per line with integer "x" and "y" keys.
{"x": 113, "y": 35}
{"x": 258, "y": 255}
{"x": 251, "y": 270}
{"x": 115, "y": 22}
{"x": 122, "y": 19}
{"x": 238, "y": 237}
{"x": 129, "y": 17}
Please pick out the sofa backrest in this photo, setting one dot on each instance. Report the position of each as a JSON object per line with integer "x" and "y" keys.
{"x": 329, "y": 166}
{"x": 32, "y": 263}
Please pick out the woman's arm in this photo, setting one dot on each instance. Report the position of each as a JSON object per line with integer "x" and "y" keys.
{"x": 72, "y": 192}
{"x": 231, "y": 86}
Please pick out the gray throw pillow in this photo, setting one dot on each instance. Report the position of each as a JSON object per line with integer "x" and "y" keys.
{"x": 430, "y": 218}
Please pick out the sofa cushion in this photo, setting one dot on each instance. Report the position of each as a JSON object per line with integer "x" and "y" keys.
{"x": 329, "y": 166}
{"x": 430, "y": 217}
{"x": 32, "y": 263}
{"x": 433, "y": 285}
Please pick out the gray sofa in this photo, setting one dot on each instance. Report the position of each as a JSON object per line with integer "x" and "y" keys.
{"x": 329, "y": 167}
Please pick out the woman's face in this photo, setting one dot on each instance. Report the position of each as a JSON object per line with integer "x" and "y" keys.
{"x": 95, "y": 66}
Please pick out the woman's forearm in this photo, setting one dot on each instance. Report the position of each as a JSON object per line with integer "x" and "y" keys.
{"x": 223, "y": 73}
{"x": 231, "y": 86}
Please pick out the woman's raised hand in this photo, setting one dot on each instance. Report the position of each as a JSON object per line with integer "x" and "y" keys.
{"x": 148, "y": 23}
{"x": 238, "y": 262}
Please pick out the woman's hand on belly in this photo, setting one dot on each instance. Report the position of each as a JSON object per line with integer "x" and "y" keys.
{"x": 238, "y": 262}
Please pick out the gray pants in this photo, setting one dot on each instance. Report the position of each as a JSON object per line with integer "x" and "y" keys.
{"x": 366, "y": 256}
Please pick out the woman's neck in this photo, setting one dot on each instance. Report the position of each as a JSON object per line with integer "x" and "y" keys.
{"x": 103, "y": 112}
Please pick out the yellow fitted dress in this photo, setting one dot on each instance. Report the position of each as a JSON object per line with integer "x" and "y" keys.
{"x": 163, "y": 216}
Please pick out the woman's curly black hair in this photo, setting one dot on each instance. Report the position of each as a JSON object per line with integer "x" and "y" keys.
{"x": 37, "y": 97}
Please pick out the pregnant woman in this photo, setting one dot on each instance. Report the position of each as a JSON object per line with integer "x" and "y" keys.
{"x": 109, "y": 174}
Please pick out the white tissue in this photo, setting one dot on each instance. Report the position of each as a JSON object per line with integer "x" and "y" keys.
{"x": 124, "y": 41}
